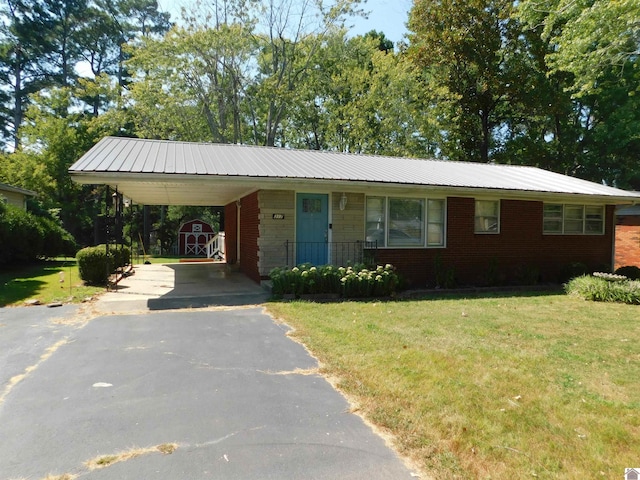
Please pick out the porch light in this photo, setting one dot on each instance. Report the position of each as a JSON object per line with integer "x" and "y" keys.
{"x": 343, "y": 201}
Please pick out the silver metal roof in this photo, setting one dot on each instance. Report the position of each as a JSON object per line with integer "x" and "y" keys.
{"x": 166, "y": 172}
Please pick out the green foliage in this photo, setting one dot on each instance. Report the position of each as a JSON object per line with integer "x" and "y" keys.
{"x": 603, "y": 289}
{"x": 445, "y": 276}
{"x": 95, "y": 266}
{"x": 630, "y": 271}
{"x": 572, "y": 270}
{"x": 26, "y": 237}
{"x": 348, "y": 282}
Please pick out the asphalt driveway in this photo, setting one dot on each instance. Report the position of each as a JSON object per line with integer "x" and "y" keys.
{"x": 180, "y": 394}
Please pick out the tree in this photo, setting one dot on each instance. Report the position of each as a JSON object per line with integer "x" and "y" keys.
{"x": 468, "y": 50}
{"x": 592, "y": 47}
{"x": 24, "y": 44}
{"x": 591, "y": 37}
{"x": 360, "y": 97}
{"x": 291, "y": 34}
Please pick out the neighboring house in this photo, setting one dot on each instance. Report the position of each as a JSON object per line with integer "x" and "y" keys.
{"x": 481, "y": 223}
{"x": 193, "y": 237}
{"x": 627, "y": 236}
{"x": 15, "y": 196}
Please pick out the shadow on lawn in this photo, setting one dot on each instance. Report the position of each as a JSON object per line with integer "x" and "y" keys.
{"x": 484, "y": 292}
{"x": 20, "y": 283}
{"x": 444, "y": 294}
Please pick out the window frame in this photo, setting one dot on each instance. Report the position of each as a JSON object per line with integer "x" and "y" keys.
{"x": 426, "y": 220}
{"x": 584, "y": 220}
{"x": 476, "y": 216}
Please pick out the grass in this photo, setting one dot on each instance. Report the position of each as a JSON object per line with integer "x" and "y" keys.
{"x": 540, "y": 386}
{"x": 48, "y": 281}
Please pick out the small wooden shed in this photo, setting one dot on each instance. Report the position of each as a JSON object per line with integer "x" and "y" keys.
{"x": 193, "y": 237}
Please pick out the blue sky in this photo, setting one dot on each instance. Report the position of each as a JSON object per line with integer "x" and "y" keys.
{"x": 388, "y": 16}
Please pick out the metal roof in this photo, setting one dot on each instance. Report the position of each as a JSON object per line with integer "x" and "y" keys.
{"x": 166, "y": 172}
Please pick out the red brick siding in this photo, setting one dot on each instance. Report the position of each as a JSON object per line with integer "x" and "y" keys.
{"x": 249, "y": 233}
{"x": 518, "y": 248}
{"x": 627, "y": 243}
{"x": 231, "y": 233}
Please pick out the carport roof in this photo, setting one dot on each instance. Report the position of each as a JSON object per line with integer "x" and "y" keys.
{"x": 181, "y": 173}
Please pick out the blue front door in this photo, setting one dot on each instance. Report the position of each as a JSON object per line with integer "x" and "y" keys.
{"x": 312, "y": 228}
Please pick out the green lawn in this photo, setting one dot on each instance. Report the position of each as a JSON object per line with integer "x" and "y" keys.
{"x": 522, "y": 386}
{"x": 48, "y": 281}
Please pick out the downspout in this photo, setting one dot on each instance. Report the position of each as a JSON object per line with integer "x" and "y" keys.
{"x": 238, "y": 206}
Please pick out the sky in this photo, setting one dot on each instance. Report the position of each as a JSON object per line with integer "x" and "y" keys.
{"x": 388, "y": 16}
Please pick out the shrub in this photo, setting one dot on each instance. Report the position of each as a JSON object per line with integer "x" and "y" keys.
{"x": 26, "y": 237}
{"x": 605, "y": 288}
{"x": 572, "y": 270}
{"x": 630, "y": 271}
{"x": 93, "y": 261}
{"x": 351, "y": 282}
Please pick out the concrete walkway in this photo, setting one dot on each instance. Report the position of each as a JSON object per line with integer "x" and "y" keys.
{"x": 182, "y": 285}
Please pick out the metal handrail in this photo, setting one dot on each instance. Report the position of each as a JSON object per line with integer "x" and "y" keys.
{"x": 338, "y": 253}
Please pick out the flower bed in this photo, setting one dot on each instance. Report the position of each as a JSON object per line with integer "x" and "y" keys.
{"x": 350, "y": 282}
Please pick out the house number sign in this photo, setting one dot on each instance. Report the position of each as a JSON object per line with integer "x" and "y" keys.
{"x": 278, "y": 216}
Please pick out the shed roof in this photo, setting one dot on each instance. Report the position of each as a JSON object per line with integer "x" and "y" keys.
{"x": 9, "y": 188}
{"x": 167, "y": 172}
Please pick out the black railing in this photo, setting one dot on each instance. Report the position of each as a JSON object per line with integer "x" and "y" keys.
{"x": 334, "y": 253}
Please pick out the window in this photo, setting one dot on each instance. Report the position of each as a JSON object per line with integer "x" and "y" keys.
{"x": 487, "y": 216}
{"x": 435, "y": 223}
{"x": 405, "y": 222}
{"x": 573, "y": 219}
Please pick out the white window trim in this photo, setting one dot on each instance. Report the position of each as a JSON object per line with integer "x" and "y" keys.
{"x": 425, "y": 244}
{"x": 487, "y": 232}
{"x": 584, "y": 219}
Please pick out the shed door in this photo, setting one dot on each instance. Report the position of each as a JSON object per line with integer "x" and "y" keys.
{"x": 312, "y": 228}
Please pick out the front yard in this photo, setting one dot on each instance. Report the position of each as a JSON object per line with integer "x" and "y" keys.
{"x": 47, "y": 281}
{"x": 522, "y": 386}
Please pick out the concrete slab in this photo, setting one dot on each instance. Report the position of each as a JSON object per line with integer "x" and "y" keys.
{"x": 182, "y": 285}
{"x": 236, "y": 396}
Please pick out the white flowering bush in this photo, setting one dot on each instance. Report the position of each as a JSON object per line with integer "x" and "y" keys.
{"x": 350, "y": 282}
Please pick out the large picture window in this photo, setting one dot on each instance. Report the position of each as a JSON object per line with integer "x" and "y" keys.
{"x": 573, "y": 219}
{"x": 405, "y": 222}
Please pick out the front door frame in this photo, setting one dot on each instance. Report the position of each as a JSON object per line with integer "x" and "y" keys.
{"x": 328, "y": 238}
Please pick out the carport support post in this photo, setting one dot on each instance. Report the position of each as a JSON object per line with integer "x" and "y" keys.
{"x": 107, "y": 198}
{"x": 146, "y": 227}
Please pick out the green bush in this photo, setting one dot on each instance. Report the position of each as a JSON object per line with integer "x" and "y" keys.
{"x": 605, "y": 288}
{"x": 630, "y": 271}
{"x": 573, "y": 270}
{"x": 349, "y": 282}
{"x": 25, "y": 237}
{"x": 92, "y": 263}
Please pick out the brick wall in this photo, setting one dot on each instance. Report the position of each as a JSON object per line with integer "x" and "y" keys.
{"x": 627, "y": 241}
{"x": 230, "y": 229}
{"x": 249, "y": 232}
{"x": 517, "y": 252}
